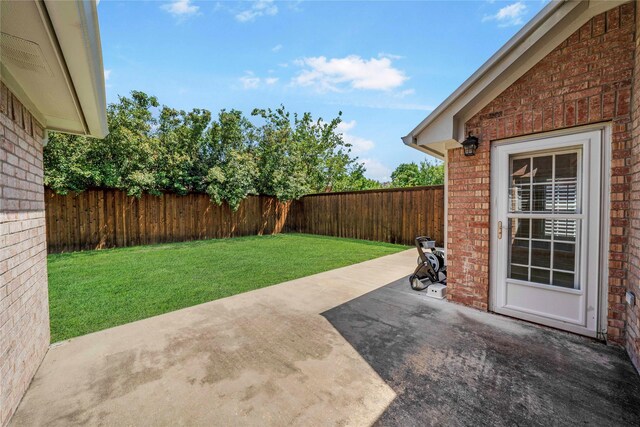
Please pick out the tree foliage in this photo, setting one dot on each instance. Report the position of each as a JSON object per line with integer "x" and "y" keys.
{"x": 355, "y": 180}
{"x": 152, "y": 148}
{"x": 412, "y": 174}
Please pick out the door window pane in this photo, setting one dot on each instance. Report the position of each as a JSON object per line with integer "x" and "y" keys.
{"x": 518, "y": 272}
{"x": 564, "y": 256}
{"x": 521, "y": 171}
{"x": 566, "y": 280}
{"x": 520, "y": 198}
{"x": 566, "y": 197}
{"x": 541, "y": 254}
{"x": 540, "y": 276}
{"x": 520, "y": 252}
{"x": 520, "y": 227}
{"x": 567, "y": 167}
{"x": 541, "y": 229}
{"x": 542, "y": 198}
{"x": 564, "y": 229}
{"x": 542, "y": 169}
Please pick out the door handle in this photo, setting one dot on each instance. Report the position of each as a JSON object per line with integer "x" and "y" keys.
{"x": 499, "y": 230}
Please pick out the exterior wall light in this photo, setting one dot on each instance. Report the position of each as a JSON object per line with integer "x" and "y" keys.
{"x": 470, "y": 145}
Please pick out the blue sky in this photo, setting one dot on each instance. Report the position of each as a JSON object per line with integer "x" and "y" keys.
{"x": 385, "y": 65}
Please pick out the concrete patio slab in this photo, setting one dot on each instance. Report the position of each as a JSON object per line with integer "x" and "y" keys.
{"x": 336, "y": 348}
{"x": 265, "y": 357}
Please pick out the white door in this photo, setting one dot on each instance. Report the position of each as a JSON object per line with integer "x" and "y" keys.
{"x": 546, "y": 208}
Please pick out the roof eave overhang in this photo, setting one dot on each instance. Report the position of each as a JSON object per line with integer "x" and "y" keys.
{"x": 51, "y": 60}
{"x": 550, "y": 27}
{"x": 435, "y": 150}
{"x": 77, "y": 33}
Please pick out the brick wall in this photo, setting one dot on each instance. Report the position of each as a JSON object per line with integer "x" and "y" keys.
{"x": 587, "y": 79}
{"x": 24, "y": 309}
{"x": 633, "y": 281}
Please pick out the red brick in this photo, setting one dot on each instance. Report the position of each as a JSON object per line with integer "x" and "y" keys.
{"x": 586, "y": 79}
{"x": 24, "y": 311}
{"x": 630, "y": 337}
{"x": 570, "y": 113}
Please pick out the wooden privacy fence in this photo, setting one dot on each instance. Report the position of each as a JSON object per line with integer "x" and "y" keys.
{"x": 394, "y": 215}
{"x": 96, "y": 219}
{"x": 104, "y": 218}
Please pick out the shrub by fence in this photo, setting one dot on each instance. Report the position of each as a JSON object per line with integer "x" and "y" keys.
{"x": 105, "y": 218}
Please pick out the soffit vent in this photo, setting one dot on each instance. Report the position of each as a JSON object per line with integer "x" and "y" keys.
{"x": 24, "y": 54}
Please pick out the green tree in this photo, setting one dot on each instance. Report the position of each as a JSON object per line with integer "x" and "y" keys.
{"x": 297, "y": 155}
{"x": 232, "y": 170}
{"x": 66, "y": 164}
{"x": 412, "y": 174}
{"x": 124, "y": 158}
{"x": 354, "y": 180}
{"x": 406, "y": 175}
{"x": 182, "y": 140}
{"x": 121, "y": 160}
{"x": 154, "y": 149}
{"x": 431, "y": 173}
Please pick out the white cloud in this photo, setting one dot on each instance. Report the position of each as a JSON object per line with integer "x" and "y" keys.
{"x": 406, "y": 106}
{"x": 295, "y": 5}
{"x": 107, "y": 74}
{"x": 512, "y": 14}
{"x": 276, "y": 48}
{"x": 250, "y": 82}
{"x": 358, "y": 145}
{"x": 389, "y": 55}
{"x": 181, "y": 8}
{"x": 355, "y": 72}
{"x": 345, "y": 126}
{"x": 257, "y": 9}
{"x": 387, "y": 103}
{"x": 406, "y": 92}
{"x": 376, "y": 170}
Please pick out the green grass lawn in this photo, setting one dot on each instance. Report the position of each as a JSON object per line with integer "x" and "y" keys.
{"x": 94, "y": 290}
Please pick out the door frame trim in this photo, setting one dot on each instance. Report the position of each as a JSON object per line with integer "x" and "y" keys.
{"x": 605, "y": 206}
{"x": 605, "y": 230}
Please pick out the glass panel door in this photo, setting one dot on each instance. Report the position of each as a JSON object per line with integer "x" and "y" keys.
{"x": 545, "y": 238}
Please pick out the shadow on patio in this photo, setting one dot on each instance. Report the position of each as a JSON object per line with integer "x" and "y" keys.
{"x": 453, "y": 365}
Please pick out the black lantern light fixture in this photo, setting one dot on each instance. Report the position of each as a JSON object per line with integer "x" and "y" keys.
{"x": 470, "y": 145}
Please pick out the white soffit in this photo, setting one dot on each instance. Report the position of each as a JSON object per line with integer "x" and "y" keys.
{"x": 51, "y": 59}
{"x": 444, "y": 127}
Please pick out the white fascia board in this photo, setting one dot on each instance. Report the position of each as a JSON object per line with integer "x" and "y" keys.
{"x": 78, "y": 34}
{"x": 550, "y": 27}
{"x": 439, "y": 152}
